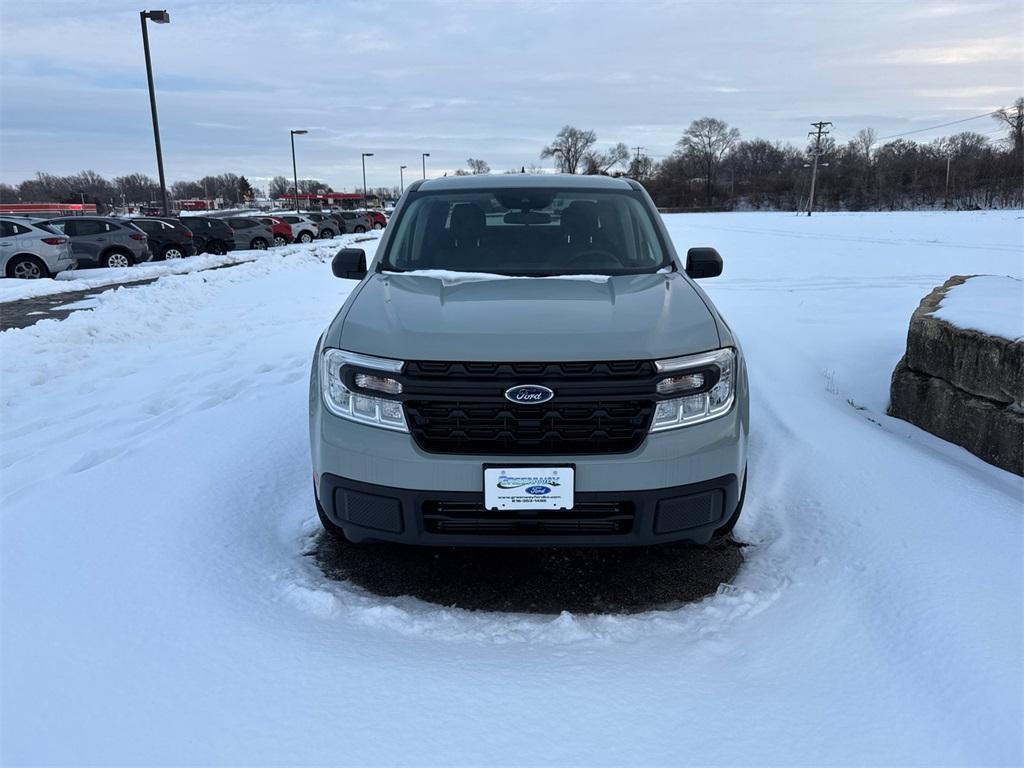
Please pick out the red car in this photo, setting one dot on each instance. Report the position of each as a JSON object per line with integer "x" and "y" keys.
{"x": 282, "y": 229}
{"x": 378, "y": 219}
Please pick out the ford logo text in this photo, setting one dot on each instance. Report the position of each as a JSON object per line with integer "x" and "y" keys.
{"x": 529, "y": 394}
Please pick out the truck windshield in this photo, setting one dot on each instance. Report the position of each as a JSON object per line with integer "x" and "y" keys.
{"x": 530, "y": 232}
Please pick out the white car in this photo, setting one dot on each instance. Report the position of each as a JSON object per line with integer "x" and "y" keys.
{"x": 304, "y": 229}
{"x": 31, "y": 249}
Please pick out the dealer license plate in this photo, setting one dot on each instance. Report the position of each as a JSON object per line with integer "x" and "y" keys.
{"x": 529, "y": 487}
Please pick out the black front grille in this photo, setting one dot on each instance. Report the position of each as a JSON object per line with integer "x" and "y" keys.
{"x": 603, "y": 407}
{"x": 593, "y": 517}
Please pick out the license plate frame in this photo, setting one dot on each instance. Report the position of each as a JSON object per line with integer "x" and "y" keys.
{"x": 558, "y": 479}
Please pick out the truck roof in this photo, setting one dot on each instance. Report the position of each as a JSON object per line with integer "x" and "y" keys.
{"x": 523, "y": 181}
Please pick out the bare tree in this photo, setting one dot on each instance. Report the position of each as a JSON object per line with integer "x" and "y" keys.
{"x": 279, "y": 186}
{"x": 707, "y": 141}
{"x": 602, "y": 162}
{"x": 569, "y": 148}
{"x": 1014, "y": 120}
{"x": 477, "y": 167}
{"x": 864, "y": 141}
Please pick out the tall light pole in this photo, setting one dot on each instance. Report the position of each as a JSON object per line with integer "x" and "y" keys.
{"x": 365, "y": 155}
{"x": 401, "y": 178}
{"x": 424, "y": 159}
{"x": 157, "y": 17}
{"x": 295, "y": 172}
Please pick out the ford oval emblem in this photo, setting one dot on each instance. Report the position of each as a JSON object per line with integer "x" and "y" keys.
{"x": 538, "y": 490}
{"x": 529, "y": 394}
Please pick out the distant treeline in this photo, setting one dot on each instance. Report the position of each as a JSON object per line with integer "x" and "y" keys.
{"x": 712, "y": 168}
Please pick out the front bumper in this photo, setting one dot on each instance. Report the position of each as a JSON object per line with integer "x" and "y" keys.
{"x": 367, "y": 512}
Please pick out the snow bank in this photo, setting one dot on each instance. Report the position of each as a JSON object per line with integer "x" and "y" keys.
{"x": 987, "y": 303}
{"x": 156, "y": 504}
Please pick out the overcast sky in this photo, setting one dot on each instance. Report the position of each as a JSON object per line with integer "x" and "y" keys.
{"x": 493, "y": 80}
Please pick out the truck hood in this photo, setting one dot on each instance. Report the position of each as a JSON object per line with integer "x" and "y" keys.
{"x": 629, "y": 317}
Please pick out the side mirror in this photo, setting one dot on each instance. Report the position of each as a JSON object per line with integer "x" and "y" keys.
{"x": 350, "y": 263}
{"x": 703, "y": 262}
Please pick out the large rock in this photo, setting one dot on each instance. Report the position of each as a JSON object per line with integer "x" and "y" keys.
{"x": 962, "y": 385}
{"x": 983, "y": 365}
{"x": 990, "y": 431}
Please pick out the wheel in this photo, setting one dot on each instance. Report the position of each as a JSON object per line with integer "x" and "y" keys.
{"x": 173, "y": 252}
{"x": 116, "y": 259}
{"x": 27, "y": 267}
{"x": 217, "y": 248}
{"x": 326, "y": 234}
{"x": 258, "y": 244}
{"x": 305, "y": 237}
{"x": 726, "y": 529}
{"x": 280, "y": 240}
{"x": 325, "y": 521}
{"x": 378, "y": 225}
{"x": 360, "y": 228}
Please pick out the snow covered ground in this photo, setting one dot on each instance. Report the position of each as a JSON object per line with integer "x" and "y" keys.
{"x": 157, "y": 607}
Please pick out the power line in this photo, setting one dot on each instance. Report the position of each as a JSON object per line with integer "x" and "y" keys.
{"x": 935, "y": 127}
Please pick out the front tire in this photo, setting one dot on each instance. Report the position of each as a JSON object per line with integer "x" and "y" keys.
{"x": 378, "y": 225}
{"x": 326, "y": 234}
{"x": 26, "y": 267}
{"x": 305, "y": 237}
{"x": 360, "y": 228}
{"x": 117, "y": 260}
{"x": 280, "y": 240}
{"x": 258, "y": 244}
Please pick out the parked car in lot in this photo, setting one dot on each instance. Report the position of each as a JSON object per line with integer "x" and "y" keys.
{"x": 31, "y": 249}
{"x": 210, "y": 235}
{"x": 328, "y": 226}
{"x": 250, "y": 233}
{"x": 104, "y": 241}
{"x": 304, "y": 230}
{"x": 605, "y": 411}
{"x": 377, "y": 219}
{"x": 355, "y": 222}
{"x": 281, "y": 229}
{"x": 168, "y": 238}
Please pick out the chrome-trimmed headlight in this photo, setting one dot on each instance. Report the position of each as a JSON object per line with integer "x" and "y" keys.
{"x": 359, "y": 406}
{"x": 711, "y": 376}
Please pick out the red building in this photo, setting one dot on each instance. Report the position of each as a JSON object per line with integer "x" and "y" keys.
{"x": 327, "y": 199}
{"x": 48, "y": 209}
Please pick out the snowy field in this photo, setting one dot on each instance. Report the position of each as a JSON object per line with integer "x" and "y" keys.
{"x": 156, "y": 502}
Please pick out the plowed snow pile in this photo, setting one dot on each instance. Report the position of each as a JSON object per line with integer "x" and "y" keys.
{"x": 156, "y": 503}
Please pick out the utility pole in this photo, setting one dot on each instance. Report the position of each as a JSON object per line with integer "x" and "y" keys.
{"x": 424, "y": 157}
{"x": 820, "y": 126}
{"x": 638, "y": 151}
{"x": 948, "y": 159}
{"x": 401, "y": 178}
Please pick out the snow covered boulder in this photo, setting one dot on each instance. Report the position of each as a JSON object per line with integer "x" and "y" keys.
{"x": 962, "y": 377}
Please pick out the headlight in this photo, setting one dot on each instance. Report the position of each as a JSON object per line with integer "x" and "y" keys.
{"x": 358, "y": 406}
{"x": 710, "y": 376}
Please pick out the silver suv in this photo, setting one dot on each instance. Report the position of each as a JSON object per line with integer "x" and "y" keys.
{"x": 30, "y": 249}
{"x": 104, "y": 241}
{"x": 528, "y": 362}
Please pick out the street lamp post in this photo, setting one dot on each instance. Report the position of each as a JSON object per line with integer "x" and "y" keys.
{"x": 157, "y": 17}
{"x": 401, "y": 178}
{"x": 424, "y": 159}
{"x": 365, "y": 155}
{"x": 295, "y": 172}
